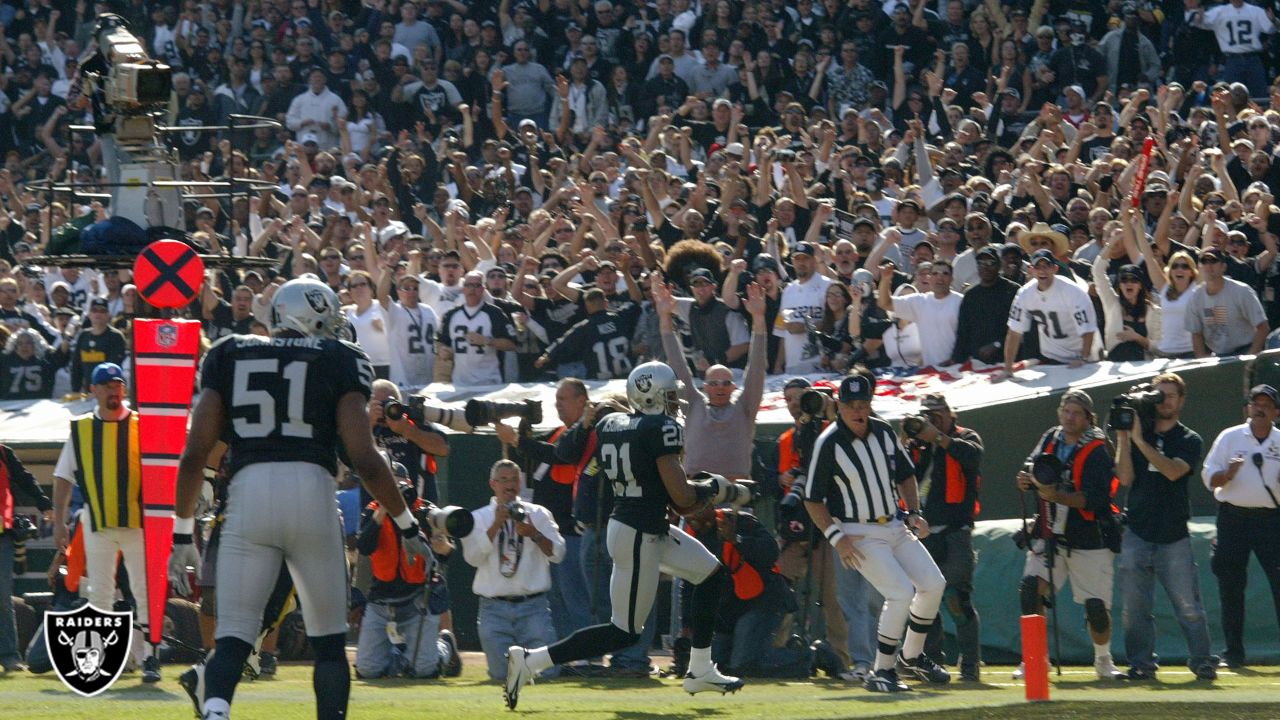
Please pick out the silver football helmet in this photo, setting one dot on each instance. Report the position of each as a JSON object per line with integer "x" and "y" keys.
{"x": 309, "y": 307}
{"x": 653, "y": 389}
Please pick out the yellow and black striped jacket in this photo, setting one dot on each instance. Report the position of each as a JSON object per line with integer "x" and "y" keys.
{"x": 109, "y": 470}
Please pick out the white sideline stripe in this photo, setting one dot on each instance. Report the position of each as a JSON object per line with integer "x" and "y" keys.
{"x": 163, "y": 411}
{"x": 162, "y": 362}
{"x": 163, "y": 462}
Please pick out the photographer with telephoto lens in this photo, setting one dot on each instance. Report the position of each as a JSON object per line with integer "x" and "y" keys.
{"x": 1074, "y": 479}
{"x": 948, "y": 461}
{"x": 1155, "y": 458}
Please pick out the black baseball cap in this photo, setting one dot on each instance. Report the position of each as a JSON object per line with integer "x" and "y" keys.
{"x": 764, "y": 261}
{"x": 97, "y": 303}
{"x": 1264, "y": 389}
{"x": 856, "y": 387}
{"x": 701, "y": 274}
{"x": 803, "y": 248}
{"x": 1043, "y": 254}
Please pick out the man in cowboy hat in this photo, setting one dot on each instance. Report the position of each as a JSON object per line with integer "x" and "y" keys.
{"x": 1060, "y": 310}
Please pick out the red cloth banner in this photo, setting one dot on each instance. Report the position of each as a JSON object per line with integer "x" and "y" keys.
{"x": 165, "y": 354}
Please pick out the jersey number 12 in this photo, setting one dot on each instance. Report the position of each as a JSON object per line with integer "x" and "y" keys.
{"x": 294, "y": 375}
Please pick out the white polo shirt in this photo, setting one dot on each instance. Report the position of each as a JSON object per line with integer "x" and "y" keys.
{"x": 1249, "y": 488}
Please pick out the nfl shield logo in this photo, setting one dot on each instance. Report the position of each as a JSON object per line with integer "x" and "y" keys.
{"x": 88, "y": 647}
{"x": 167, "y": 335}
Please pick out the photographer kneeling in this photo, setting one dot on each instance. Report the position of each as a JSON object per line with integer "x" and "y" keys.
{"x": 512, "y": 547}
{"x": 401, "y": 593}
{"x": 1154, "y": 459}
{"x": 753, "y": 606}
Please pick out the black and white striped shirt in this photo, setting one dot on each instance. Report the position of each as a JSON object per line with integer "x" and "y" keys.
{"x": 857, "y": 478}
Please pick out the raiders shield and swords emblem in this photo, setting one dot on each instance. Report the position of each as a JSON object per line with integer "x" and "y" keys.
{"x": 88, "y": 647}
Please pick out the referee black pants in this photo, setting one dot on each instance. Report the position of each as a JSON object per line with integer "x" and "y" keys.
{"x": 1242, "y": 531}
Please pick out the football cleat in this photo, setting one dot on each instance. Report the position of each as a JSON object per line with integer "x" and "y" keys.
{"x": 886, "y": 681}
{"x": 1020, "y": 671}
{"x": 922, "y": 667}
{"x": 193, "y": 682}
{"x": 267, "y": 662}
{"x": 518, "y": 675}
{"x": 711, "y": 680}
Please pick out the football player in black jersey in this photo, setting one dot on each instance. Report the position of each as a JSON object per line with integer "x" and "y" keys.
{"x": 603, "y": 339}
{"x": 283, "y": 404}
{"x": 640, "y": 454}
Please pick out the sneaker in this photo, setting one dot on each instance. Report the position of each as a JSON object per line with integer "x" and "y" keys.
{"x": 1231, "y": 660}
{"x": 859, "y": 674}
{"x": 1020, "y": 671}
{"x": 886, "y": 681}
{"x": 267, "y": 664}
{"x": 12, "y": 665}
{"x": 1107, "y": 669}
{"x": 193, "y": 682}
{"x": 252, "y": 666}
{"x": 1206, "y": 671}
{"x": 970, "y": 673}
{"x": 711, "y": 680}
{"x": 151, "y": 670}
{"x": 212, "y": 715}
{"x": 452, "y": 666}
{"x": 1138, "y": 674}
{"x": 922, "y": 667}
{"x": 518, "y": 675}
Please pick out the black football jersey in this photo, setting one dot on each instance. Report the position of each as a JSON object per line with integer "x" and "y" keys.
{"x": 281, "y": 395}
{"x": 627, "y": 453}
{"x": 602, "y": 341}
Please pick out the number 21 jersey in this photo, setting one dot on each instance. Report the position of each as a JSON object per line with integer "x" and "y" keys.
{"x": 280, "y": 395}
{"x": 628, "y": 448}
{"x": 1063, "y": 314}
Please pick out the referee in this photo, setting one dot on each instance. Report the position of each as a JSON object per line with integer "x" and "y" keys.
{"x": 857, "y": 476}
{"x": 1243, "y": 472}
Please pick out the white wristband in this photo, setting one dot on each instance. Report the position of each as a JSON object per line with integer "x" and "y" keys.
{"x": 405, "y": 520}
{"x": 833, "y": 533}
{"x": 184, "y": 526}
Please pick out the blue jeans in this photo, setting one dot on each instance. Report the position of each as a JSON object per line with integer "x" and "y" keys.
{"x": 750, "y": 646}
{"x": 1141, "y": 564}
{"x": 857, "y": 600}
{"x": 600, "y": 566}
{"x": 376, "y": 656}
{"x": 570, "y": 597}
{"x": 1246, "y": 68}
{"x": 8, "y": 627}
{"x": 502, "y": 624}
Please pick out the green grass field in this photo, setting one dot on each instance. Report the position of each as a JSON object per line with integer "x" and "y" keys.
{"x": 1249, "y": 694}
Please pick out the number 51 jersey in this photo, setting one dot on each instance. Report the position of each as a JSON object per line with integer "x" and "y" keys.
{"x": 628, "y": 448}
{"x": 280, "y": 395}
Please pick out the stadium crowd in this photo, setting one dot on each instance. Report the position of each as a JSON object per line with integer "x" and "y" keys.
{"x": 539, "y": 191}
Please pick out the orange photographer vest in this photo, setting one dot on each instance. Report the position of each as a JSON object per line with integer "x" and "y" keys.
{"x": 566, "y": 473}
{"x": 388, "y": 559}
{"x": 1077, "y": 471}
{"x": 955, "y": 479}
